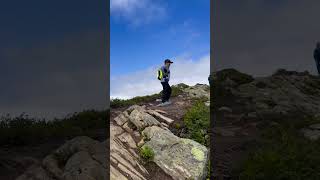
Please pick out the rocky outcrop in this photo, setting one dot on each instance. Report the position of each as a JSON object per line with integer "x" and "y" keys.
{"x": 282, "y": 93}
{"x": 125, "y": 161}
{"x": 312, "y": 132}
{"x": 245, "y": 106}
{"x": 79, "y": 158}
{"x": 178, "y": 157}
{"x": 139, "y": 127}
{"x": 198, "y": 91}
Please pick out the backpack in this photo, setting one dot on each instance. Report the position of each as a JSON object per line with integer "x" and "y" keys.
{"x": 159, "y": 74}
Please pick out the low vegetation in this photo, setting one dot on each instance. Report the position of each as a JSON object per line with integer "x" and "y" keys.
{"x": 284, "y": 153}
{"x": 146, "y": 153}
{"x": 23, "y": 130}
{"x": 116, "y": 103}
{"x": 197, "y": 122}
{"x": 234, "y": 75}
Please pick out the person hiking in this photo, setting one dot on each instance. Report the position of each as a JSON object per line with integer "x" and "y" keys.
{"x": 164, "y": 77}
{"x": 316, "y": 55}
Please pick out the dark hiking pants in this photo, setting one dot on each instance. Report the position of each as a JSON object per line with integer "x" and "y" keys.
{"x": 166, "y": 92}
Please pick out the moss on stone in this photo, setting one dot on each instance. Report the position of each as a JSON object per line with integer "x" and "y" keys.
{"x": 197, "y": 153}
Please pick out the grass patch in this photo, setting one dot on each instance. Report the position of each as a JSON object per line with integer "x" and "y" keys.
{"x": 197, "y": 122}
{"x": 116, "y": 103}
{"x": 146, "y": 153}
{"x": 284, "y": 154}
{"x": 177, "y": 125}
{"x": 23, "y": 130}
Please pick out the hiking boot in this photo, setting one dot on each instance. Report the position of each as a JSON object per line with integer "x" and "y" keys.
{"x": 164, "y": 103}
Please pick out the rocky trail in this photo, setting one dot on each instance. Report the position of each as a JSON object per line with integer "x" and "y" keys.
{"x": 148, "y": 125}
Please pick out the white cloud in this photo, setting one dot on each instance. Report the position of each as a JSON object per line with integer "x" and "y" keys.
{"x": 140, "y": 83}
{"x": 137, "y": 12}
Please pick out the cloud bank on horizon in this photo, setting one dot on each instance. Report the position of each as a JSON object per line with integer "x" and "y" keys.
{"x": 183, "y": 70}
{"x": 137, "y": 12}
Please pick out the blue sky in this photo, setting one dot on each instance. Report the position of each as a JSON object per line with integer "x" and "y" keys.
{"x": 145, "y": 32}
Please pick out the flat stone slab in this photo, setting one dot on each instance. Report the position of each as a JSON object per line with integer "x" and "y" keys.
{"x": 178, "y": 157}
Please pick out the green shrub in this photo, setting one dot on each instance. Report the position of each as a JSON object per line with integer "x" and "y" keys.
{"x": 146, "y": 153}
{"x": 283, "y": 154}
{"x": 23, "y": 130}
{"x": 177, "y": 90}
{"x": 197, "y": 122}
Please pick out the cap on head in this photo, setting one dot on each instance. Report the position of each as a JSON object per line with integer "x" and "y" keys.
{"x": 168, "y": 61}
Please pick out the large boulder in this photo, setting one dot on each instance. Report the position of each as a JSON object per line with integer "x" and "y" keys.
{"x": 198, "y": 91}
{"x": 282, "y": 93}
{"x": 178, "y": 157}
{"x": 142, "y": 119}
{"x": 312, "y": 132}
{"x": 81, "y": 158}
{"x": 137, "y": 116}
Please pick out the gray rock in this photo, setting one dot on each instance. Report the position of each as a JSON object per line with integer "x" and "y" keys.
{"x": 127, "y": 139}
{"x": 160, "y": 116}
{"x": 35, "y": 173}
{"x": 315, "y": 126}
{"x": 115, "y": 174}
{"x": 178, "y": 157}
{"x": 135, "y": 107}
{"x": 81, "y": 158}
{"x": 81, "y": 166}
{"x": 115, "y": 130}
{"x": 121, "y": 119}
{"x": 282, "y": 93}
{"x": 127, "y": 128}
{"x": 125, "y": 161}
{"x": 142, "y": 119}
{"x": 207, "y": 103}
{"x": 198, "y": 91}
{"x": 225, "y": 109}
{"x": 310, "y": 134}
{"x": 51, "y": 164}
